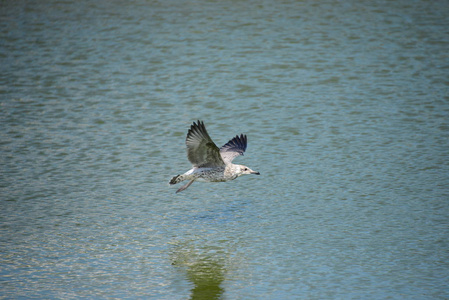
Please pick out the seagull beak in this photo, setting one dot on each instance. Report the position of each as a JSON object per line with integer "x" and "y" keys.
{"x": 256, "y": 173}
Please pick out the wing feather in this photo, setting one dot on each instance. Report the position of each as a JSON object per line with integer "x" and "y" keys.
{"x": 201, "y": 150}
{"x": 233, "y": 148}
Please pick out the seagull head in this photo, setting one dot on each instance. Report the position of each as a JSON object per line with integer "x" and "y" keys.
{"x": 245, "y": 170}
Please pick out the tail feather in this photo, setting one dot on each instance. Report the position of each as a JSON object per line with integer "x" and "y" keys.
{"x": 178, "y": 178}
{"x": 175, "y": 179}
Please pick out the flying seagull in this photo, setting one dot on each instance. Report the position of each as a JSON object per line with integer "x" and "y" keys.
{"x": 210, "y": 163}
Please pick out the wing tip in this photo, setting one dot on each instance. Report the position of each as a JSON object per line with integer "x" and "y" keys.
{"x": 196, "y": 128}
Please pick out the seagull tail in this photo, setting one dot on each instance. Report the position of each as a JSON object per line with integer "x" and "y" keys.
{"x": 176, "y": 179}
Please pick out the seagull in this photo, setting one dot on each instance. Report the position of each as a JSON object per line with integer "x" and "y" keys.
{"x": 210, "y": 163}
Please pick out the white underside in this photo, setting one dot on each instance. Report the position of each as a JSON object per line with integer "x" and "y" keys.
{"x": 196, "y": 170}
{"x": 190, "y": 174}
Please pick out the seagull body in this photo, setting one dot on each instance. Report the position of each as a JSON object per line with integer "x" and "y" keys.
{"x": 210, "y": 163}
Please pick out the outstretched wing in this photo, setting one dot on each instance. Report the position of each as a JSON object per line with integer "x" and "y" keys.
{"x": 201, "y": 150}
{"x": 233, "y": 148}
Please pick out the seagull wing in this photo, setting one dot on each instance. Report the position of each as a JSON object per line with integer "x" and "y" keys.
{"x": 201, "y": 150}
{"x": 233, "y": 148}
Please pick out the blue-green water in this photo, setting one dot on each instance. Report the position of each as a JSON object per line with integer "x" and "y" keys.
{"x": 346, "y": 108}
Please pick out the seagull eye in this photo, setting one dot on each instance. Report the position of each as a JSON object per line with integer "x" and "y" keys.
{"x": 246, "y": 169}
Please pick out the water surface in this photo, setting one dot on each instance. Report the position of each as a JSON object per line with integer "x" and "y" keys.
{"x": 346, "y": 108}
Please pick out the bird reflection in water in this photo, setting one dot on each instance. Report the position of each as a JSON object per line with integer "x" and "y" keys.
{"x": 207, "y": 276}
{"x": 205, "y": 273}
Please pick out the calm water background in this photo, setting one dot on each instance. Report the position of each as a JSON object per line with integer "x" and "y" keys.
{"x": 346, "y": 107}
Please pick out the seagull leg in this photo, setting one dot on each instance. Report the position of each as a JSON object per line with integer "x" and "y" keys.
{"x": 185, "y": 186}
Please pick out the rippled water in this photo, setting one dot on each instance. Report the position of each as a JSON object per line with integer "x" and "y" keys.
{"x": 346, "y": 108}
